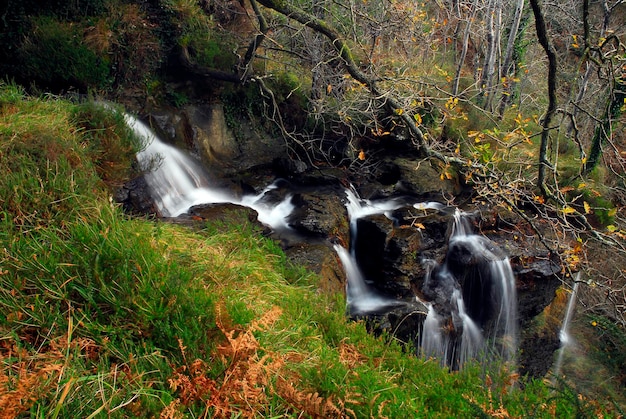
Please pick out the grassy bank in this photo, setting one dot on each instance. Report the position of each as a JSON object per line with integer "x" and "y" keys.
{"x": 106, "y": 315}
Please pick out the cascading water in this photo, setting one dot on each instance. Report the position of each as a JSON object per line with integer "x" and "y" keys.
{"x": 475, "y": 289}
{"x": 470, "y": 297}
{"x": 432, "y": 343}
{"x": 360, "y": 298}
{"x": 177, "y": 182}
{"x": 564, "y": 336}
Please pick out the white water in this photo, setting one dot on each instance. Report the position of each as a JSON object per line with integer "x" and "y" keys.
{"x": 564, "y": 336}
{"x": 503, "y": 293}
{"x": 360, "y": 208}
{"x": 472, "y": 342}
{"x": 432, "y": 342}
{"x": 497, "y": 294}
{"x": 506, "y": 294}
{"x": 177, "y": 182}
{"x": 360, "y": 297}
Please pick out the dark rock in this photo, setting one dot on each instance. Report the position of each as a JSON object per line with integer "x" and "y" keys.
{"x": 391, "y": 253}
{"x": 135, "y": 197}
{"x": 232, "y": 212}
{"x": 320, "y": 215}
{"x": 421, "y": 178}
{"x": 537, "y": 354}
{"x": 403, "y": 321}
{"x": 537, "y": 282}
{"x": 387, "y": 173}
{"x": 288, "y": 168}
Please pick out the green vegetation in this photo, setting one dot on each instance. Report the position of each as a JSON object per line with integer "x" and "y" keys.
{"x": 106, "y": 315}
{"x": 54, "y": 54}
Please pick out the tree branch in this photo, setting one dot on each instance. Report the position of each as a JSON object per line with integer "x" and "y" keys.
{"x": 352, "y": 68}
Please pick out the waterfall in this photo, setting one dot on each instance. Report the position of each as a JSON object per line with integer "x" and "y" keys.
{"x": 474, "y": 288}
{"x": 471, "y": 336}
{"x": 177, "y": 182}
{"x": 566, "y": 339}
{"x": 432, "y": 343}
{"x": 359, "y": 298}
{"x": 472, "y": 306}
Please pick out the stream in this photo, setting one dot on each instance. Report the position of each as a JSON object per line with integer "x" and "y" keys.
{"x": 468, "y": 300}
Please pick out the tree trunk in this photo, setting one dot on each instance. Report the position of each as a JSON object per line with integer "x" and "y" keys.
{"x": 604, "y": 130}
{"x": 507, "y": 65}
{"x": 542, "y": 36}
{"x": 589, "y": 68}
{"x": 494, "y": 25}
{"x": 461, "y": 60}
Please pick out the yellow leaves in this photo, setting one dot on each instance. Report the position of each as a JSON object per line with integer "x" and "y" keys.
{"x": 399, "y": 111}
{"x": 587, "y": 207}
{"x": 446, "y": 173}
{"x": 418, "y": 118}
{"x": 476, "y": 135}
{"x": 566, "y": 210}
{"x": 452, "y": 103}
{"x": 573, "y": 255}
{"x": 379, "y": 132}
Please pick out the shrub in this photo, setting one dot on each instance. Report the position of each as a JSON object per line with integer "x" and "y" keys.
{"x": 54, "y": 55}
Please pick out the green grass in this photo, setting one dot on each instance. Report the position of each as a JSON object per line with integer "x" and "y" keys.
{"x": 105, "y": 315}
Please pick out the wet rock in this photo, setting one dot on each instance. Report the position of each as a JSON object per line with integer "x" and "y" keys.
{"x": 391, "y": 253}
{"x": 537, "y": 354}
{"x": 403, "y": 321}
{"x": 320, "y": 215}
{"x": 202, "y": 129}
{"x": 211, "y": 136}
{"x": 135, "y": 197}
{"x": 423, "y": 178}
{"x": 231, "y": 212}
{"x": 288, "y": 168}
{"x": 537, "y": 282}
{"x": 321, "y": 259}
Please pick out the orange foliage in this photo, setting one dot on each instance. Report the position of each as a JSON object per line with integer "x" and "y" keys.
{"x": 25, "y": 377}
{"x": 252, "y": 374}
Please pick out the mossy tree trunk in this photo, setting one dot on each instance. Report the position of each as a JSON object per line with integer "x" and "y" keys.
{"x": 542, "y": 36}
{"x": 603, "y": 132}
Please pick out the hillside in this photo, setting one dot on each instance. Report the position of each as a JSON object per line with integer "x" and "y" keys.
{"x": 108, "y": 313}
